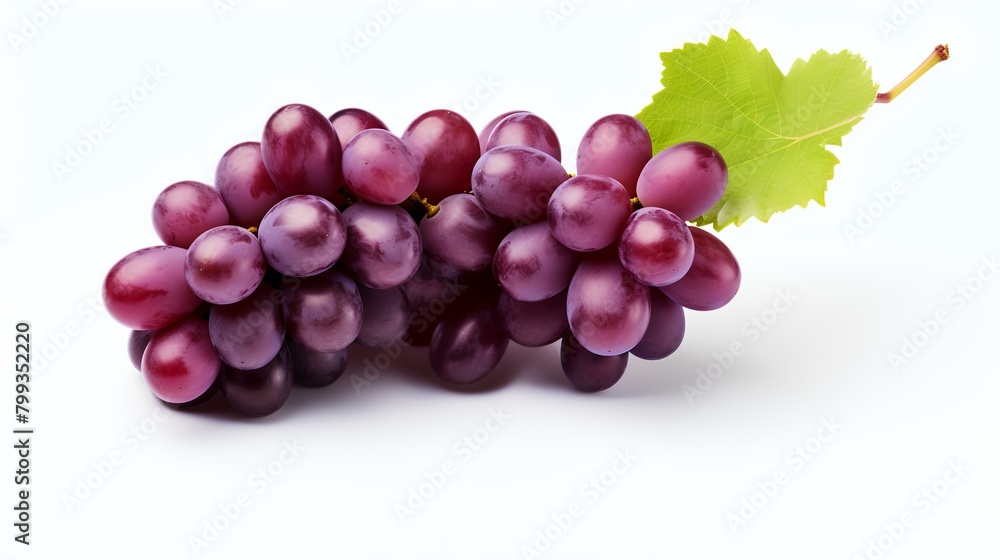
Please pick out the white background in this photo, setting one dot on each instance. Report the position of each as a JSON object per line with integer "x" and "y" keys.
{"x": 823, "y": 358}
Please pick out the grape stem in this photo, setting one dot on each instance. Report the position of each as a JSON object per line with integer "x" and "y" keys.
{"x": 347, "y": 195}
{"x": 430, "y": 208}
{"x": 940, "y": 54}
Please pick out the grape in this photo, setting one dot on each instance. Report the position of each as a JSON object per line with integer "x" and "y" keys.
{"x": 249, "y": 333}
{"x": 179, "y": 364}
{"x": 687, "y": 179}
{"x": 302, "y": 235}
{"x": 244, "y": 185}
{"x": 468, "y": 343}
{"x": 656, "y": 247}
{"x": 429, "y": 294}
{"x": 349, "y": 122}
{"x": 379, "y": 168}
{"x": 666, "y": 328}
{"x": 260, "y": 391}
{"x": 587, "y": 371}
{"x": 587, "y": 212}
{"x": 323, "y": 312}
{"x": 146, "y": 289}
{"x": 137, "y": 342}
{"x": 185, "y": 210}
{"x": 457, "y": 241}
{"x": 531, "y": 265}
{"x": 534, "y": 324}
{"x": 383, "y": 245}
{"x": 425, "y": 286}
{"x": 616, "y": 146}
{"x": 451, "y": 273}
{"x": 515, "y": 182}
{"x": 714, "y": 277}
{"x": 526, "y": 129}
{"x": 301, "y": 152}
{"x": 315, "y": 369}
{"x": 608, "y": 308}
{"x": 484, "y": 134}
{"x": 462, "y": 233}
{"x": 224, "y": 265}
{"x": 446, "y": 148}
{"x": 201, "y": 399}
{"x": 386, "y": 316}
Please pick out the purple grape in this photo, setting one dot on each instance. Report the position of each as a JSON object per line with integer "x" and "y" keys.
{"x": 260, "y": 391}
{"x": 534, "y": 324}
{"x": 349, "y": 122}
{"x": 383, "y": 245}
{"x": 447, "y": 148}
{"x": 608, "y": 308}
{"x": 137, "y": 342}
{"x": 315, "y": 369}
{"x": 301, "y": 152}
{"x": 323, "y": 312}
{"x": 714, "y": 277}
{"x": 587, "y": 212}
{"x": 426, "y": 285}
{"x": 452, "y": 273}
{"x": 616, "y": 146}
{"x": 179, "y": 364}
{"x": 656, "y": 247}
{"x": 302, "y": 235}
{"x": 200, "y": 399}
{"x": 687, "y": 179}
{"x": 468, "y": 343}
{"x": 224, "y": 265}
{"x": 244, "y": 185}
{"x": 665, "y": 331}
{"x": 185, "y": 210}
{"x": 249, "y": 333}
{"x": 386, "y": 316}
{"x": 531, "y": 265}
{"x": 515, "y": 182}
{"x": 587, "y": 371}
{"x": 462, "y": 233}
{"x": 379, "y": 168}
{"x": 528, "y": 130}
{"x": 484, "y": 134}
{"x": 146, "y": 289}
{"x": 430, "y": 294}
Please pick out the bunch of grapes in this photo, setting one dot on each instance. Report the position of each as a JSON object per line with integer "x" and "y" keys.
{"x": 315, "y": 238}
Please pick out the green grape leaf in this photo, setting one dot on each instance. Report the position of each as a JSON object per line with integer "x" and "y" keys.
{"x": 772, "y": 129}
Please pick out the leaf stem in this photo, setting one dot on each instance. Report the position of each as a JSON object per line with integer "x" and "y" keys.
{"x": 940, "y": 54}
